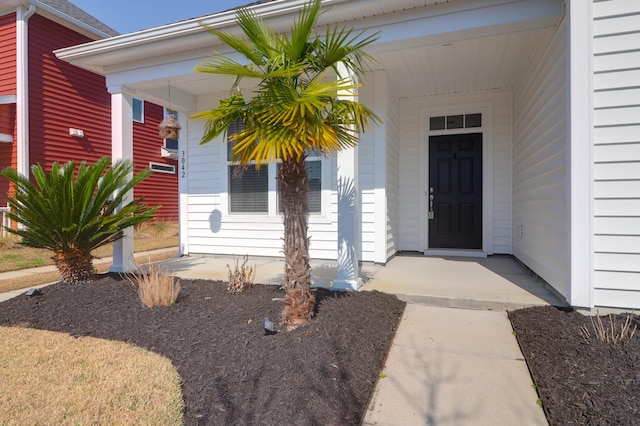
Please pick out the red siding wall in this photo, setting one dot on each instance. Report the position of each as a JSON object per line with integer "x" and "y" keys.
{"x": 8, "y": 54}
{"x": 7, "y": 87}
{"x": 159, "y": 188}
{"x": 63, "y": 96}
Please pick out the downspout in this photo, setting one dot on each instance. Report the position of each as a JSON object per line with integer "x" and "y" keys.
{"x": 22, "y": 87}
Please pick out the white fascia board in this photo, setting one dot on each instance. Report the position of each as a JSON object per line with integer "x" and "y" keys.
{"x": 97, "y": 55}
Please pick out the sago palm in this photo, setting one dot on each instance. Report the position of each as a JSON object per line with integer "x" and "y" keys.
{"x": 295, "y": 109}
{"x": 74, "y": 210}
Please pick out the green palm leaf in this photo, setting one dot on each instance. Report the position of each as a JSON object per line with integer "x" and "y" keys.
{"x": 298, "y": 106}
{"x": 75, "y": 209}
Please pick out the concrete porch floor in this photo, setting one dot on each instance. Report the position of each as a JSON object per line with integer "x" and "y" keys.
{"x": 496, "y": 282}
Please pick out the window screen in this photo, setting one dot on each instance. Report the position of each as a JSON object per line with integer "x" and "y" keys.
{"x": 248, "y": 189}
{"x": 314, "y": 174}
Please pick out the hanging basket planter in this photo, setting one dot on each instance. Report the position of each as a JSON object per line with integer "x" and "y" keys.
{"x": 169, "y": 128}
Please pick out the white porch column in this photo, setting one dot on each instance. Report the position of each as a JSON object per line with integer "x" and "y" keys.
{"x": 122, "y": 149}
{"x": 22, "y": 88}
{"x": 348, "y": 212}
{"x": 580, "y": 172}
{"x": 379, "y": 87}
{"x": 183, "y": 190}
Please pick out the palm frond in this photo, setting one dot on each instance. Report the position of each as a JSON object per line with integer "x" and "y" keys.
{"x": 69, "y": 209}
{"x": 297, "y": 46}
{"x": 345, "y": 46}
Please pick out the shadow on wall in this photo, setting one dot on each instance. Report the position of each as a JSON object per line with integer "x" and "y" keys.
{"x": 347, "y": 253}
{"x": 215, "y": 221}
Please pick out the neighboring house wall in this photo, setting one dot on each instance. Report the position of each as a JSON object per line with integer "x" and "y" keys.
{"x": 540, "y": 159}
{"x": 616, "y": 134}
{"x": 8, "y": 54}
{"x": 159, "y": 188}
{"x": 8, "y": 151}
{"x": 496, "y": 107}
{"x": 62, "y": 96}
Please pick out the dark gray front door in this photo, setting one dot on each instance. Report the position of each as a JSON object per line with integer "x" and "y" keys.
{"x": 455, "y": 188}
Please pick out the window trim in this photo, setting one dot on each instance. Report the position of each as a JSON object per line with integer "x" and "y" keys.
{"x": 273, "y": 215}
{"x": 133, "y": 101}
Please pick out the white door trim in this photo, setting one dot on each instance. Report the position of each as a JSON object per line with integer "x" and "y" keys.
{"x": 486, "y": 109}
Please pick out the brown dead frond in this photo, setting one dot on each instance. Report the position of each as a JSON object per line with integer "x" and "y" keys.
{"x": 155, "y": 286}
{"x": 610, "y": 333}
{"x": 241, "y": 277}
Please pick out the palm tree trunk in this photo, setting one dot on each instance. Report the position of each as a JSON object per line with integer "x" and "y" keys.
{"x": 74, "y": 266}
{"x": 294, "y": 186}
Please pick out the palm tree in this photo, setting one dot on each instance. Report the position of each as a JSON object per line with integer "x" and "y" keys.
{"x": 295, "y": 110}
{"x": 72, "y": 215}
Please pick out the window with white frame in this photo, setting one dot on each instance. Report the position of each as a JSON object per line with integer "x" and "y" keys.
{"x": 458, "y": 121}
{"x": 138, "y": 110}
{"x": 249, "y": 186}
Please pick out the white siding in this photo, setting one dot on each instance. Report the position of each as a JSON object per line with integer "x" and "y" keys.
{"x": 211, "y": 230}
{"x": 378, "y": 171}
{"x": 410, "y": 175}
{"x": 540, "y": 212}
{"x": 616, "y": 65}
{"x": 367, "y": 179}
{"x": 393, "y": 172}
{"x": 497, "y": 110}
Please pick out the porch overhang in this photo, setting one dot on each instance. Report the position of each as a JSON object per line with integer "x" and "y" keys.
{"x": 425, "y": 47}
{"x": 410, "y": 33}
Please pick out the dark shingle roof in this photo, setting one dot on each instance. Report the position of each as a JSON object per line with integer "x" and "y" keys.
{"x": 75, "y": 12}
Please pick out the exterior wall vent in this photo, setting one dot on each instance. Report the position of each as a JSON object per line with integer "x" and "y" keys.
{"x": 162, "y": 168}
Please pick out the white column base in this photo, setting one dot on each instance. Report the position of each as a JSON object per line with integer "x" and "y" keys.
{"x": 348, "y": 285}
{"x": 123, "y": 260}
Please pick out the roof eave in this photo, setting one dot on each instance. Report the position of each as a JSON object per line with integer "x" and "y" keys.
{"x": 69, "y": 19}
{"x": 95, "y": 55}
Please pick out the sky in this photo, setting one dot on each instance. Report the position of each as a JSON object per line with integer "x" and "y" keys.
{"x": 126, "y": 16}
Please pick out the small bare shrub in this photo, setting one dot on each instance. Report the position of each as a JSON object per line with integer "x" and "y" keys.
{"x": 155, "y": 286}
{"x": 241, "y": 277}
{"x": 610, "y": 333}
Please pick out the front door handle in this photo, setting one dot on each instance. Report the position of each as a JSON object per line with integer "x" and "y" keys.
{"x": 431, "y": 197}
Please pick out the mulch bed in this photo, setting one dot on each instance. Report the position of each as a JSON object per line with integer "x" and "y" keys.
{"x": 579, "y": 380}
{"x": 232, "y": 373}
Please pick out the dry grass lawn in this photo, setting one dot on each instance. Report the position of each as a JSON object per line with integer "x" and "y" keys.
{"x": 54, "y": 378}
{"x": 14, "y": 256}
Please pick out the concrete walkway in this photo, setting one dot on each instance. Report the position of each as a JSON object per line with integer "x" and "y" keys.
{"x": 447, "y": 366}
{"x": 454, "y": 367}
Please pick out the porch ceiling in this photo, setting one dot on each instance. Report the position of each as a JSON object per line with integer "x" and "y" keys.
{"x": 428, "y": 47}
{"x": 444, "y": 68}
{"x": 460, "y": 66}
